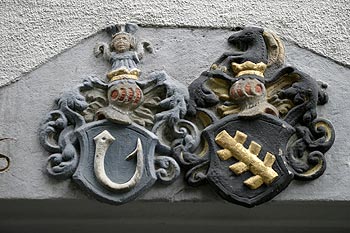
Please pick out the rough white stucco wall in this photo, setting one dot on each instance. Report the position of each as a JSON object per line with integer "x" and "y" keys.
{"x": 35, "y": 31}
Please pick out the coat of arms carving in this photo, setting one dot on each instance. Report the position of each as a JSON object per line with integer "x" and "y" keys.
{"x": 258, "y": 121}
{"x": 104, "y": 133}
{"x": 247, "y": 126}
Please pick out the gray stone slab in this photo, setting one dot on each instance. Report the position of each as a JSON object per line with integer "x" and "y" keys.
{"x": 184, "y": 54}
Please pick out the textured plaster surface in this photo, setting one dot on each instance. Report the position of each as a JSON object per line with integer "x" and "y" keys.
{"x": 35, "y": 31}
{"x": 184, "y": 54}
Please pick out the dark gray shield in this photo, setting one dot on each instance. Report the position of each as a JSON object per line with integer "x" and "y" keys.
{"x": 117, "y": 168}
{"x": 272, "y": 134}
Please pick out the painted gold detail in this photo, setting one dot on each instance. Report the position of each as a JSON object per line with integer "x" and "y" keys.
{"x": 204, "y": 119}
{"x": 326, "y": 128}
{"x": 275, "y": 49}
{"x": 314, "y": 169}
{"x": 220, "y": 87}
{"x": 204, "y": 150}
{"x": 248, "y": 159}
{"x": 249, "y": 67}
{"x": 225, "y": 110}
{"x": 217, "y": 67}
{"x": 123, "y": 73}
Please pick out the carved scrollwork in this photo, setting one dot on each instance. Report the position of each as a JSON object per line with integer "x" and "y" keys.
{"x": 306, "y": 149}
{"x": 62, "y": 165}
{"x": 57, "y": 134}
{"x": 174, "y": 104}
{"x": 190, "y": 151}
{"x": 188, "y": 132}
{"x": 186, "y": 142}
{"x": 167, "y": 169}
{"x": 53, "y": 125}
{"x": 198, "y": 174}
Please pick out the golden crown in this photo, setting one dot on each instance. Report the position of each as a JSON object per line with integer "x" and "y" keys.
{"x": 123, "y": 73}
{"x": 249, "y": 67}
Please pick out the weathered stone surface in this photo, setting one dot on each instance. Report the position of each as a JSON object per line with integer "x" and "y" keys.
{"x": 35, "y": 31}
{"x": 184, "y": 53}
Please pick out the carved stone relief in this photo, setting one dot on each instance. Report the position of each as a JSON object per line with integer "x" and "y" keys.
{"x": 248, "y": 125}
{"x": 103, "y": 133}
